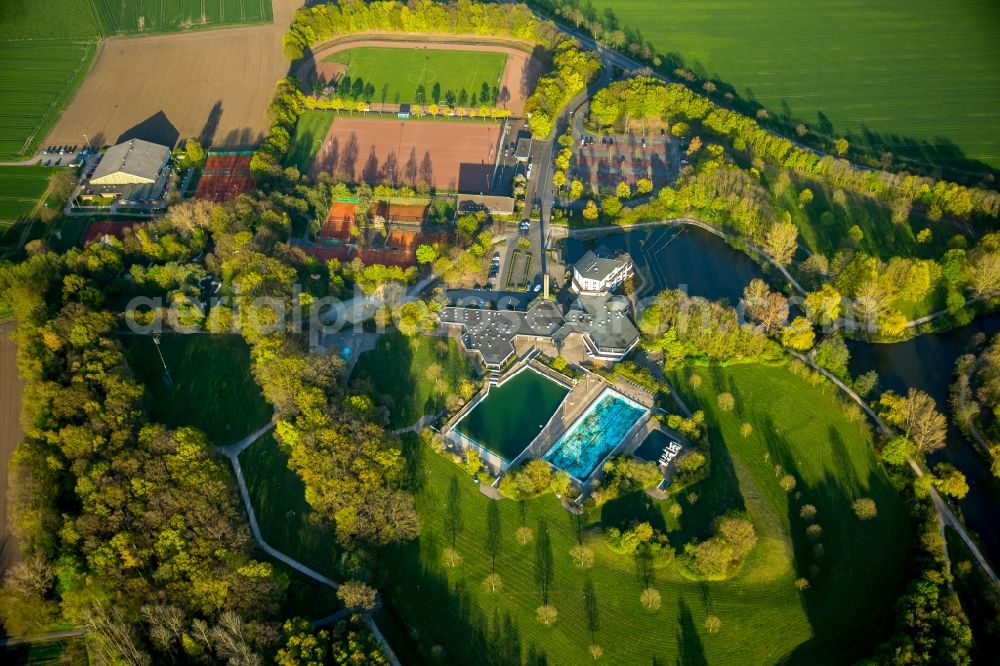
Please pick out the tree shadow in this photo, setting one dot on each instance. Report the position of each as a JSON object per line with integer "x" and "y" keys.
{"x": 544, "y": 561}
{"x": 691, "y": 652}
{"x": 207, "y": 134}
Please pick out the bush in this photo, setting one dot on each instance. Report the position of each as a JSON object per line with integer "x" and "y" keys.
{"x": 357, "y": 595}
{"x": 864, "y": 508}
{"x": 527, "y": 481}
{"x": 547, "y": 614}
{"x": 650, "y": 599}
{"x": 583, "y": 557}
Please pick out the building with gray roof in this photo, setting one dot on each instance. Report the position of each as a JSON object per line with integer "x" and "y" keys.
{"x": 134, "y": 162}
{"x": 595, "y": 272}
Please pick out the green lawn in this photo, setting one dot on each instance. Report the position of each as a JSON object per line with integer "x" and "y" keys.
{"x": 212, "y": 388}
{"x": 764, "y": 619}
{"x": 20, "y": 190}
{"x": 914, "y": 77}
{"x": 411, "y": 376}
{"x": 309, "y": 134}
{"x": 285, "y": 519}
{"x": 396, "y": 72}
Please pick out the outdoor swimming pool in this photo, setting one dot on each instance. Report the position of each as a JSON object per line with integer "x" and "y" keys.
{"x": 595, "y": 434}
{"x": 513, "y": 414}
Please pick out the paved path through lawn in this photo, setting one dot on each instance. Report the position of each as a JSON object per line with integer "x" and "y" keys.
{"x": 233, "y": 453}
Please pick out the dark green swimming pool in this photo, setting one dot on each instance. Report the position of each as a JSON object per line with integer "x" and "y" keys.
{"x": 513, "y": 414}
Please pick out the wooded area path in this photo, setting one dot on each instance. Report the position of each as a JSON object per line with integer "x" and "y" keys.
{"x": 232, "y": 452}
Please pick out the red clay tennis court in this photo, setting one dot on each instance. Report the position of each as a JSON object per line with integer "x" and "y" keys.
{"x": 449, "y": 156}
{"x": 225, "y": 176}
{"x": 339, "y": 221}
{"x": 98, "y": 230}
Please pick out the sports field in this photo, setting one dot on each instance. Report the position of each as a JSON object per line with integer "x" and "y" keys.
{"x": 309, "y": 134}
{"x": 922, "y": 76}
{"x": 20, "y": 190}
{"x": 396, "y": 72}
{"x": 37, "y": 78}
{"x": 148, "y": 16}
{"x": 450, "y": 156}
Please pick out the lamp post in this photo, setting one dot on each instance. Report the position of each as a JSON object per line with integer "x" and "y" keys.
{"x": 166, "y": 377}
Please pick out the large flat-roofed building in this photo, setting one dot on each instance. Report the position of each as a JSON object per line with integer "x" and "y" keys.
{"x": 602, "y": 321}
{"x": 596, "y": 274}
{"x": 134, "y": 162}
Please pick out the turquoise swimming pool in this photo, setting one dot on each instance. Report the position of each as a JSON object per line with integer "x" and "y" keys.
{"x": 595, "y": 434}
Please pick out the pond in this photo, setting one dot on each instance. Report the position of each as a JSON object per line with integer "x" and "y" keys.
{"x": 927, "y": 363}
{"x": 679, "y": 257}
{"x": 513, "y": 414}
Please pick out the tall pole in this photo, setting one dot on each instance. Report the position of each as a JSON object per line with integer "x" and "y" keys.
{"x": 166, "y": 378}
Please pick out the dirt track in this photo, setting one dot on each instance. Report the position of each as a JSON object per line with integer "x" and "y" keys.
{"x": 10, "y": 436}
{"x": 214, "y": 84}
{"x": 519, "y": 76}
{"x": 447, "y": 155}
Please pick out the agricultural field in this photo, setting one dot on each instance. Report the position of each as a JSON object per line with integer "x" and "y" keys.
{"x": 38, "y": 78}
{"x": 397, "y": 72}
{"x": 21, "y": 188}
{"x": 153, "y": 16}
{"x": 918, "y": 78}
{"x": 48, "y": 19}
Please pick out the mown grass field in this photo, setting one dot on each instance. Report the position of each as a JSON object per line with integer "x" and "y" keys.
{"x": 396, "y": 72}
{"x": 212, "y": 388}
{"x": 285, "y": 518}
{"x": 38, "y": 77}
{"x": 922, "y": 77}
{"x": 150, "y": 16}
{"x": 764, "y": 619}
{"x": 309, "y": 133}
{"x": 411, "y": 376}
{"x": 20, "y": 190}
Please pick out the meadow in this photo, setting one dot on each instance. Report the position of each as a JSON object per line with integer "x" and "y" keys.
{"x": 917, "y": 78}
{"x": 764, "y": 618}
{"x": 38, "y": 78}
{"x": 212, "y": 388}
{"x": 411, "y": 375}
{"x": 396, "y": 72}
{"x": 145, "y": 16}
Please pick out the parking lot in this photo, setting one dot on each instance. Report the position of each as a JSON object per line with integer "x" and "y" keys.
{"x": 605, "y": 161}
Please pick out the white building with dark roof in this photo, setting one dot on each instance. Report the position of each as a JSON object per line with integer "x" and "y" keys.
{"x": 134, "y": 162}
{"x": 594, "y": 274}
